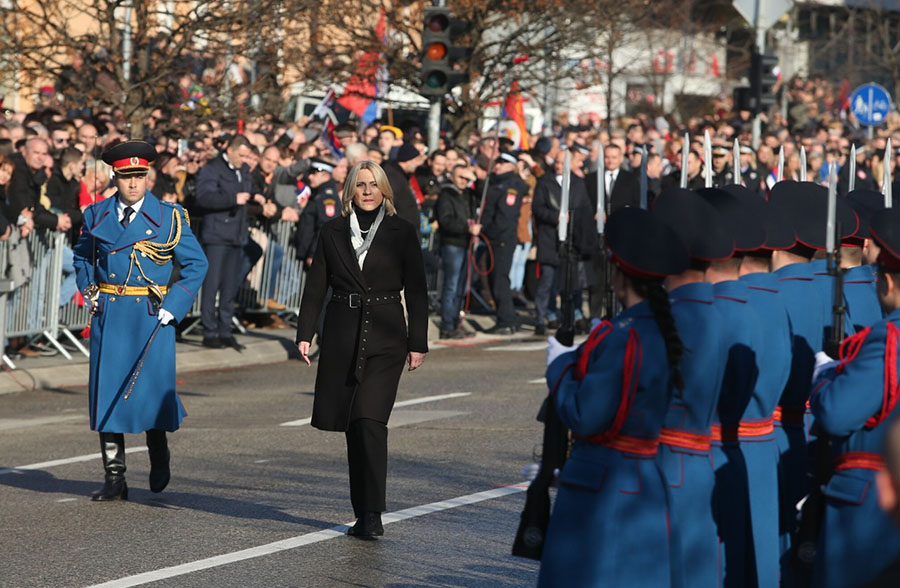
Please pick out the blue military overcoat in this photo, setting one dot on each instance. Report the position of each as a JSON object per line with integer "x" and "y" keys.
{"x": 121, "y": 326}
{"x": 854, "y": 404}
{"x": 746, "y": 457}
{"x": 861, "y": 299}
{"x": 687, "y": 468}
{"x": 609, "y": 525}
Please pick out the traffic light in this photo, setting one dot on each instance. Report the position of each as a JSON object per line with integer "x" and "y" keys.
{"x": 762, "y": 78}
{"x": 439, "y": 52}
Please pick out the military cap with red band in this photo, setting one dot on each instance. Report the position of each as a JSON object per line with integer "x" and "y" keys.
{"x": 643, "y": 246}
{"x": 130, "y": 157}
{"x": 884, "y": 227}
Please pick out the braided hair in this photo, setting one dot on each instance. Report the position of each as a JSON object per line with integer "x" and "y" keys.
{"x": 656, "y": 296}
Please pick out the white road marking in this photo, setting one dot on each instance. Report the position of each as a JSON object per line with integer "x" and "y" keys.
{"x": 403, "y": 418}
{"x": 307, "y": 539}
{"x": 540, "y": 346}
{"x": 58, "y": 462}
{"x": 8, "y": 424}
{"x": 67, "y": 500}
{"x": 537, "y": 381}
{"x": 402, "y": 403}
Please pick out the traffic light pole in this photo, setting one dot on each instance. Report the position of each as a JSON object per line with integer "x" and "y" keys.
{"x": 434, "y": 125}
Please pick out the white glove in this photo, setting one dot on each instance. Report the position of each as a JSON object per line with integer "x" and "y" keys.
{"x": 165, "y": 317}
{"x": 555, "y": 349}
{"x": 823, "y": 362}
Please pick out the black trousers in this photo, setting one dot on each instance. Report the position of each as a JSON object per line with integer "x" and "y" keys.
{"x": 503, "y": 258}
{"x": 223, "y": 278}
{"x": 367, "y": 457}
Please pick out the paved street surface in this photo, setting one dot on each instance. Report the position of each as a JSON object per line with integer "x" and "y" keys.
{"x": 259, "y": 498}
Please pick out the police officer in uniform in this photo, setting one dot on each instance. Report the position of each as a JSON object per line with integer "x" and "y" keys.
{"x": 722, "y": 173}
{"x": 324, "y": 205}
{"x": 500, "y": 221}
{"x": 123, "y": 263}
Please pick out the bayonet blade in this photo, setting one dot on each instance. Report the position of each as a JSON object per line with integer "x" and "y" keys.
{"x": 887, "y": 187}
{"x": 779, "y": 173}
{"x": 601, "y": 191}
{"x": 643, "y": 193}
{"x": 736, "y": 163}
{"x": 564, "y": 200}
{"x": 707, "y": 160}
{"x": 830, "y": 237}
{"x": 852, "y": 182}
{"x": 802, "y": 163}
{"x": 685, "y": 149}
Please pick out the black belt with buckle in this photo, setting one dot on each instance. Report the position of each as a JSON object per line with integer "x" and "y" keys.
{"x": 357, "y": 300}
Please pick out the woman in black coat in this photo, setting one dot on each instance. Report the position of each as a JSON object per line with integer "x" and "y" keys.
{"x": 367, "y": 256}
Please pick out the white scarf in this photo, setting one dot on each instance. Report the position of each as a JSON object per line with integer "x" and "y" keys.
{"x": 360, "y": 245}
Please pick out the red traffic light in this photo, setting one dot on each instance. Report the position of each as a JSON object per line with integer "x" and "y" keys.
{"x": 436, "y": 51}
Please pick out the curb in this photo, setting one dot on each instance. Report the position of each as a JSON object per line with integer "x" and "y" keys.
{"x": 263, "y": 348}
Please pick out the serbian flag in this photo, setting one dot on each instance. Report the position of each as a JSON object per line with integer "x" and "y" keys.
{"x": 362, "y": 91}
{"x": 513, "y": 111}
{"x": 331, "y": 140}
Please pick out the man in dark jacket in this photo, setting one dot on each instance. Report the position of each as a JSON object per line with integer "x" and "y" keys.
{"x": 398, "y": 173}
{"x": 456, "y": 226}
{"x": 545, "y": 208}
{"x": 29, "y": 175}
{"x": 223, "y": 190}
{"x": 501, "y": 221}
{"x": 58, "y": 210}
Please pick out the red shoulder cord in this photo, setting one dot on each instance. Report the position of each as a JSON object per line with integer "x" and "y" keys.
{"x": 630, "y": 376}
{"x": 595, "y": 338}
{"x": 850, "y": 348}
{"x": 891, "y": 392}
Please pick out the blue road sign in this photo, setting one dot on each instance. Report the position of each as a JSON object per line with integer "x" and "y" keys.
{"x": 870, "y": 104}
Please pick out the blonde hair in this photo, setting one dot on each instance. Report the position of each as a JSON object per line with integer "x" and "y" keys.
{"x": 380, "y": 180}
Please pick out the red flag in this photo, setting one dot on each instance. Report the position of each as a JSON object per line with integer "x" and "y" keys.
{"x": 513, "y": 111}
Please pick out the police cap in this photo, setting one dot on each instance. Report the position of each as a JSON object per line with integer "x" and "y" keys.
{"x": 643, "y": 246}
{"x": 779, "y": 232}
{"x": 696, "y": 223}
{"x": 316, "y": 164}
{"x": 741, "y": 222}
{"x": 130, "y": 158}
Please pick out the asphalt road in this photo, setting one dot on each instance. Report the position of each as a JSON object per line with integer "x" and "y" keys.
{"x": 255, "y": 503}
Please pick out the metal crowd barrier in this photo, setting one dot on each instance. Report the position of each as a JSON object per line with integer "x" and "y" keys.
{"x": 33, "y": 309}
{"x": 286, "y": 283}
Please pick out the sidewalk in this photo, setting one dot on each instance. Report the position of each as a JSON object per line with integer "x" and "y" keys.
{"x": 262, "y": 346}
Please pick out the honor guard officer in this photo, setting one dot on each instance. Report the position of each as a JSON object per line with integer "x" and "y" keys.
{"x": 609, "y": 525}
{"x": 123, "y": 263}
{"x": 858, "y": 256}
{"x": 854, "y": 402}
{"x": 684, "y": 453}
{"x": 500, "y": 222}
{"x": 323, "y": 206}
{"x": 752, "y": 439}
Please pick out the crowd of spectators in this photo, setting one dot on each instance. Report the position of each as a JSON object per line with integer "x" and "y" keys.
{"x": 50, "y": 170}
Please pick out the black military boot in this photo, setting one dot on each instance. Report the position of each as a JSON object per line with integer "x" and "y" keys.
{"x": 159, "y": 460}
{"x": 112, "y": 449}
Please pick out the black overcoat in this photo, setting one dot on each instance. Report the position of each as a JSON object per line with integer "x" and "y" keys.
{"x": 363, "y": 349}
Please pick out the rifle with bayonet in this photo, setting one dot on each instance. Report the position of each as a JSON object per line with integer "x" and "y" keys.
{"x": 532, "y": 531}
{"x": 813, "y": 509}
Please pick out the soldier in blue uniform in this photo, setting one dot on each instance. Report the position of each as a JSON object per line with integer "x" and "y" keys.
{"x": 747, "y": 436}
{"x": 684, "y": 453}
{"x": 853, "y": 402}
{"x": 123, "y": 263}
{"x": 609, "y": 523}
{"x": 860, "y": 297}
{"x": 324, "y": 205}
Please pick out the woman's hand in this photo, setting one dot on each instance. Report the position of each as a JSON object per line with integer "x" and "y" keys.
{"x": 303, "y": 347}
{"x": 415, "y": 359}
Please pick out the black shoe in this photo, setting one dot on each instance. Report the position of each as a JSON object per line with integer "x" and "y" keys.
{"x": 367, "y": 526}
{"x": 540, "y": 329}
{"x": 500, "y": 330}
{"x": 157, "y": 447}
{"x": 233, "y": 343}
{"x": 114, "y": 488}
{"x": 452, "y": 334}
{"x": 213, "y": 343}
